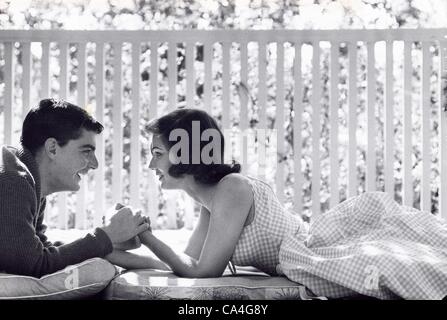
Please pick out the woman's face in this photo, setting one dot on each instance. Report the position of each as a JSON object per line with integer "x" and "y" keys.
{"x": 161, "y": 164}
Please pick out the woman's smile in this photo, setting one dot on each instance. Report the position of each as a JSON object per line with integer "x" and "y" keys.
{"x": 160, "y": 175}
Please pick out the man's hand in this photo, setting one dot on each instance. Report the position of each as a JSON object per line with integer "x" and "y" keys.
{"x": 125, "y": 225}
{"x": 133, "y": 243}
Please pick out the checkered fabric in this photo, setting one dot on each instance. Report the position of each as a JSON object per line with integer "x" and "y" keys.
{"x": 260, "y": 241}
{"x": 372, "y": 246}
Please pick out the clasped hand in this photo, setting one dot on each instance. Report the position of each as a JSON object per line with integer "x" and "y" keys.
{"x": 125, "y": 226}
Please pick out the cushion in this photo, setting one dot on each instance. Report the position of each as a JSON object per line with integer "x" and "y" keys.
{"x": 74, "y": 282}
{"x": 248, "y": 284}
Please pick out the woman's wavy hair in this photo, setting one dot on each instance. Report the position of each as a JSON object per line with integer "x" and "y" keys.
{"x": 184, "y": 118}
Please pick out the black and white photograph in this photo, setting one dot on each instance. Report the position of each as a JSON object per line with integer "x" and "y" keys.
{"x": 241, "y": 151}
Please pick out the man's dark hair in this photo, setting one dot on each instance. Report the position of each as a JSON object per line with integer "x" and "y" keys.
{"x": 56, "y": 119}
{"x": 183, "y": 119}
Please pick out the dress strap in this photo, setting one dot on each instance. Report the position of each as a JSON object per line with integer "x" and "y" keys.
{"x": 232, "y": 268}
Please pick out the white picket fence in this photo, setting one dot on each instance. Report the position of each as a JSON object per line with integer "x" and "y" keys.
{"x": 53, "y": 50}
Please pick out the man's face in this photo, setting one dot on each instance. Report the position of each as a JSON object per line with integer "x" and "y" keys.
{"x": 73, "y": 160}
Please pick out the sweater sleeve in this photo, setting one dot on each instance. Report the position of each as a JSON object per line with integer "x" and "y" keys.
{"x": 22, "y": 251}
{"x": 41, "y": 228}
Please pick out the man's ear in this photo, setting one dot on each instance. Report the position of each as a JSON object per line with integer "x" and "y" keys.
{"x": 50, "y": 147}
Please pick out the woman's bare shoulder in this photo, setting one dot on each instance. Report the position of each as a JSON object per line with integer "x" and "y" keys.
{"x": 235, "y": 184}
{"x": 233, "y": 179}
{"x": 233, "y": 197}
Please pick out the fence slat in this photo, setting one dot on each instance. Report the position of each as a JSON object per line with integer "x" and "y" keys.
{"x": 279, "y": 121}
{"x": 188, "y": 205}
{"x": 333, "y": 152}
{"x": 243, "y": 95}
{"x": 426, "y": 110}
{"x": 135, "y": 128}
{"x": 81, "y": 205}
{"x": 208, "y": 75}
{"x": 154, "y": 81}
{"x": 63, "y": 57}
{"x": 45, "y": 71}
{"x": 63, "y": 94}
{"x": 262, "y": 101}
{"x": 371, "y": 120}
{"x": 297, "y": 123}
{"x": 407, "y": 179}
{"x": 262, "y": 87}
{"x": 117, "y": 124}
{"x": 100, "y": 140}
{"x": 442, "y": 209}
{"x": 171, "y": 209}
{"x": 226, "y": 85}
{"x": 9, "y": 91}
{"x": 190, "y": 76}
{"x": 153, "y": 192}
{"x": 389, "y": 119}
{"x": 316, "y": 129}
{"x": 352, "y": 120}
{"x": 172, "y": 75}
{"x": 45, "y": 87}
{"x": 26, "y": 78}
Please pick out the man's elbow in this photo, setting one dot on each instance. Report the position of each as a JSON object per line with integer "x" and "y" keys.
{"x": 26, "y": 268}
{"x": 36, "y": 270}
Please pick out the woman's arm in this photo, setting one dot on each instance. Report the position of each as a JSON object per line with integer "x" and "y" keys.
{"x": 129, "y": 260}
{"x": 198, "y": 236}
{"x": 230, "y": 209}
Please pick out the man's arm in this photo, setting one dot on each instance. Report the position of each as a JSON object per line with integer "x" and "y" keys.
{"x": 41, "y": 228}
{"x": 22, "y": 250}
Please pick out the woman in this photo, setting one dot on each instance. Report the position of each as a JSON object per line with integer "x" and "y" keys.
{"x": 240, "y": 221}
{"x": 358, "y": 247}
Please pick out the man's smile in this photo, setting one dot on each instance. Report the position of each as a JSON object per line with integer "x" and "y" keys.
{"x": 81, "y": 173}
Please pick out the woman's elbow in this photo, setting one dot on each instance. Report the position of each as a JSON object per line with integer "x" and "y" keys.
{"x": 198, "y": 273}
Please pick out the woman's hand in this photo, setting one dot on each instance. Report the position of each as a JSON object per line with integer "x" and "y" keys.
{"x": 133, "y": 243}
{"x": 141, "y": 236}
{"x": 148, "y": 221}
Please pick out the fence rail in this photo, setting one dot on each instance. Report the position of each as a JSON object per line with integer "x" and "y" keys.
{"x": 212, "y": 36}
{"x": 70, "y": 64}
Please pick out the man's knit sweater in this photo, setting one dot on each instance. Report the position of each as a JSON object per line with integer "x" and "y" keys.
{"x": 24, "y": 248}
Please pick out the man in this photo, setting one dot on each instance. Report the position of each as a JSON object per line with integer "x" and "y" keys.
{"x": 57, "y": 148}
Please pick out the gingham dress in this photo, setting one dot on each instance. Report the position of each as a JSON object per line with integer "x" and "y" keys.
{"x": 367, "y": 244}
{"x": 261, "y": 240}
{"x": 370, "y": 245}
